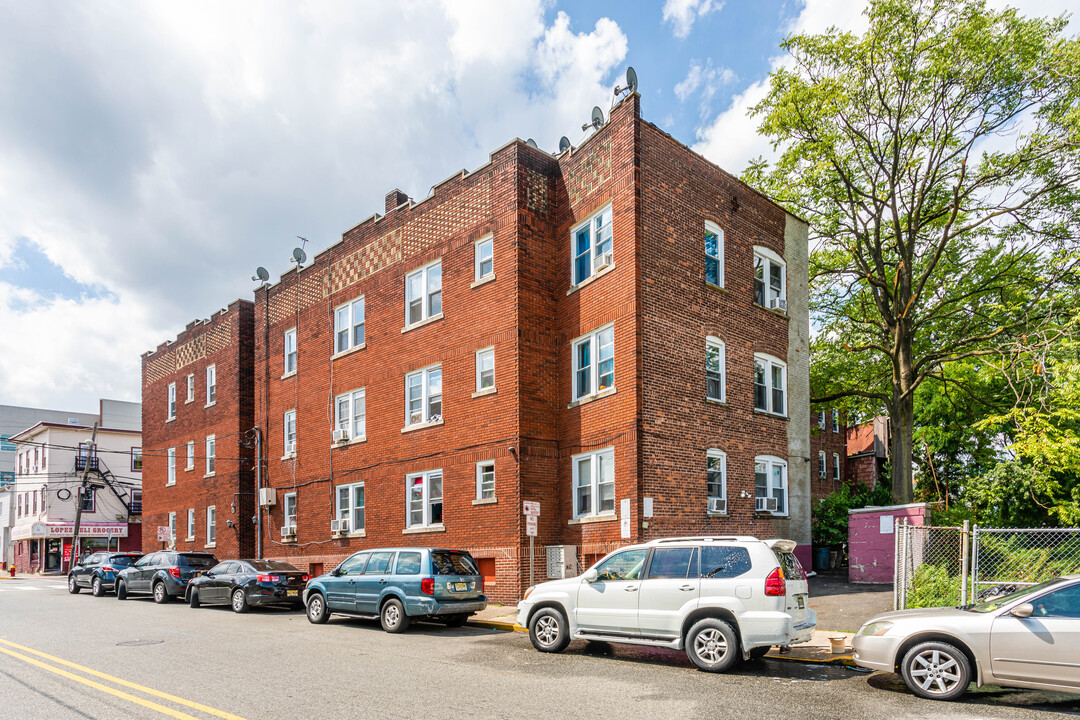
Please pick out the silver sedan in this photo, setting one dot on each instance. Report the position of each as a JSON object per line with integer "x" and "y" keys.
{"x": 1026, "y": 639}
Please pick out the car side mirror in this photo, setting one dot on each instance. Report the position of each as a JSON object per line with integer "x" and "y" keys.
{"x": 336, "y": 572}
{"x": 209, "y": 573}
{"x": 590, "y": 575}
{"x": 1023, "y": 611}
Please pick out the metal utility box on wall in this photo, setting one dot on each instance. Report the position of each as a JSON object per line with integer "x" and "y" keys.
{"x": 561, "y": 561}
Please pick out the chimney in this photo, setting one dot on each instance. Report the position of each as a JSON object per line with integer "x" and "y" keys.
{"x": 395, "y": 198}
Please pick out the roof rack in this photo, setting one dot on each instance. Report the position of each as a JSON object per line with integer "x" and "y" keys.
{"x": 704, "y": 538}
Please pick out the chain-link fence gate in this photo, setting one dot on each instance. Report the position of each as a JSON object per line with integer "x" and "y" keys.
{"x": 1021, "y": 556}
{"x": 930, "y": 562}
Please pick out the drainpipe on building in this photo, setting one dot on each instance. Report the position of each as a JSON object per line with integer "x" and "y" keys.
{"x": 91, "y": 453}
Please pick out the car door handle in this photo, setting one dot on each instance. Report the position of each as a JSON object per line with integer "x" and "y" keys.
{"x": 351, "y": 582}
{"x": 383, "y": 581}
{"x": 687, "y": 587}
{"x": 630, "y": 588}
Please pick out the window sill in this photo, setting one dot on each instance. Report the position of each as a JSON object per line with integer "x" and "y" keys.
{"x": 421, "y": 426}
{"x": 423, "y": 529}
{"x": 350, "y": 351}
{"x": 347, "y": 443}
{"x": 611, "y": 517}
{"x": 713, "y": 513}
{"x": 775, "y": 311}
{"x": 766, "y": 515}
{"x": 290, "y": 456}
{"x": 485, "y": 391}
{"x": 483, "y": 281}
{"x": 210, "y": 404}
{"x": 589, "y": 398}
{"x": 288, "y": 375}
{"x": 189, "y": 401}
{"x": 422, "y": 323}
{"x": 209, "y": 474}
{"x": 189, "y": 469}
{"x": 592, "y": 278}
{"x": 485, "y": 501}
{"x": 169, "y": 420}
{"x": 357, "y": 534}
{"x": 210, "y": 546}
{"x": 170, "y": 484}
{"x": 190, "y": 539}
{"x": 712, "y": 401}
{"x": 718, "y": 288}
{"x": 766, "y": 413}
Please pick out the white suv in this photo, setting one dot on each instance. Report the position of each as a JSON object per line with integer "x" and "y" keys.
{"x": 721, "y": 598}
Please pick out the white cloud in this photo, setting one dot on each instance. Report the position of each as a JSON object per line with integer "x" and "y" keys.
{"x": 682, "y": 14}
{"x": 703, "y": 82}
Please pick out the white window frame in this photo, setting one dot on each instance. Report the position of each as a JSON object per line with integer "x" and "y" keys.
{"x": 172, "y": 529}
{"x": 426, "y": 396}
{"x": 211, "y": 454}
{"x": 171, "y": 467}
{"x": 355, "y": 423}
{"x": 711, "y": 227}
{"x": 594, "y": 482}
{"x": 721, "y": 456}
{"x": 771, "y": 463}
{"x": 712, "y": 342}
{"x": 287, "y": 499}
{"x": 822, "y": 463}
{"x": 601, "y": 240}
{"x": 593, "y": 369}
{"x": 836, "y": 420}
{"x": 211, "y": 385}
{"x": 348, "y": 511}
{"x": 290, "y": 351}
{"x": 482, "y": 485}
{"x": 190, "y": 524}
{"x": 211, "y": 525}
{"x": 171, "y": 409}
{"x": 190, "y": 388}
{"x": 479, "y": 258}
{"x": 347, "y": 324}
{"x": 288, "y": 433}
{"x": 836, "y": 466}
{"x": 482, "y": 356}
{"x": 427, "y": 499}
{"x": 770, "y": 364}
{"x": 426, "y": 293}
{"x": 821, "y": 419}
{"x": 765, "y": 259}
{"x": 190, "y": 456}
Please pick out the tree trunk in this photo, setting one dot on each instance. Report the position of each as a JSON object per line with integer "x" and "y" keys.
{"x": 902, "y": 418}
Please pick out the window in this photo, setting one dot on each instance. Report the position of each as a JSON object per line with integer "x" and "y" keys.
{"x": 423, "y": 396}
{"x": 485, "y": 265}
{"x": 594, "y": 362}
{"x": 835, "y": 466}
{"x": 485, "y": 480}
{"x": 190, "y": 456}
{"x": 715, "y": 366}
{"x": 211, "y": 445}
{"x": 190, "y": 388}
{"x": 211, "y": 384}
{"x": 172, "y": 529}
{"x": 288, "y": 502}
{"x": 716, "y": 481}
{"x": 35, "y": 494}
{"x": 714, "y": 254}
{"x": 770, "y": 283}
{"x": 290, "y": 351}
{"x": 211, "y": 525}
{"x": 349, "y": 325}
{"x": 835, "y": 420}
{"x": 485, "y": 369}
{"x": 423, "y": 293}
{"x": 770, "y": 384}
{"x": 594, "y": 482}
{"x": 770, "y": 481}
{"x": 136, "y": 459}
{"x": 172, "y": 401}
{"x": 20, "y": 504}
{"x": 672, "y": 563}
{"x": 821, "y": 419}
{"x": 592, "y": 245}
{"x": 720, "y": 561}
{"x": 191, "y": 524}
{"x": 408, "y": 563}
{"x": 172, "y": 467}
{"x": 350, "y": 505}
{"x": 289, "y": 427}
{"x": 821, "y": 463}
{"x": 1064, "y": 603}
{"x": 352, "y": 414}
{"x": 425, "y": 499}
{"x": 136, "y": 502}
{"x": 626, "y": 565}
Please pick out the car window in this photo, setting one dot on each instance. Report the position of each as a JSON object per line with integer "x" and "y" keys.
{"x": 122, "y": 561}
{"x": 220, "y": 569}
{"x": 453, "y": 563}
{"x": 671, "y": 563}
{"x": 719, "y": 561}
{"x": 93, "y": 559}
{"x": 622, "y": 566}
{"x": 1064, "y": 603}
{"x": 408, "y": 563}
{"x": 270, "y": 566}
{"x": 354, "y": 565}
{"x": 379, "y": 564}
{"x": 147, "y": 561}
{"x": 199, "y": 562}
{"x": 792, "y": 568}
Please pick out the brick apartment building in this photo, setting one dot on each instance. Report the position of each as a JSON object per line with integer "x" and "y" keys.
{"x": 619, "y": 332}
{"x": 828, "y": 451}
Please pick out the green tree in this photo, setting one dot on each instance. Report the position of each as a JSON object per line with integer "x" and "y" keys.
{"x": 936, "y": 160}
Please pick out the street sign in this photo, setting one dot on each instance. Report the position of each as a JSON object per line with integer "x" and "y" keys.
{"x": 531, "y": 508}
{"x": 530, "y": 525}
{"x": 163, "y": 534}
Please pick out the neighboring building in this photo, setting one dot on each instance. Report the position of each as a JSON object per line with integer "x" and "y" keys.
{"x": 52, "y": 461}
{"x": 828, "y": 451}
{"x": 868, "y": 450}
{"x": 619, "y": 333}
{"x": 197, "y": 425}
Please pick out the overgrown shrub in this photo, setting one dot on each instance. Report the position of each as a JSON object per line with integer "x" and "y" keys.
{"x": 933, "y": 586}
{"x": 829, "y": 525}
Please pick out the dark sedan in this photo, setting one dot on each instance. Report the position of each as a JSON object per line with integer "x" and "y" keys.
{"x": 244, "y": 583}
{"x": 98, "y": 571}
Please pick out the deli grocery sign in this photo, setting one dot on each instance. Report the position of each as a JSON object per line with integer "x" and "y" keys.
{"x": 52, "y": 530}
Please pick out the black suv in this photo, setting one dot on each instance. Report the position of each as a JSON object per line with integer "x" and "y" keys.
{"x": 163, "y": 574}
{"x": 98, "y": 571}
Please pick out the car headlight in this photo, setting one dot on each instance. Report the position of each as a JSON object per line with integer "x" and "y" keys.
{"x": 875, "y": 628}
{"x": 527, "y": 591}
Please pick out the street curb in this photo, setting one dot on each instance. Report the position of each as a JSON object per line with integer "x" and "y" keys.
{"x": 496, "y": 625}
{"x": 841, "y": 660}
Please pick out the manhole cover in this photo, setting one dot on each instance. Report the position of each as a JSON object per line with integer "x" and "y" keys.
{"x": 138, "y": 643}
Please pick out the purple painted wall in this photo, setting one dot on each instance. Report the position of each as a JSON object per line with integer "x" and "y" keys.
{"x": 803, "y": 553}
{"x": 872, "y": 538}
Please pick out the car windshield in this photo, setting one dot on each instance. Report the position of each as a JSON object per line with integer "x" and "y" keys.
{"x": 123, "y": 560}
{"x": 271, "y": 566}
{"x": 1000, "y": 602}
{"x": 451, "y": 563}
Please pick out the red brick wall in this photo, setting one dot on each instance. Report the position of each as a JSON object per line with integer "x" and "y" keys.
{"x": 830, "y": 442}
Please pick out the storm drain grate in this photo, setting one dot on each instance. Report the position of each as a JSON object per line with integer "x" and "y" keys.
{"x": 138, "y": 643}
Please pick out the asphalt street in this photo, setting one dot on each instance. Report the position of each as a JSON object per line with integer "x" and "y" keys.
{"x": 76, "y": 656}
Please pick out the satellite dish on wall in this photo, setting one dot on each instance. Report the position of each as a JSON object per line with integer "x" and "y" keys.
{"x": 597, "y": 119}
{"x": 631, "y": 80}
{"x": 531, "y": 143}
{"x": 564, "y": 144}
{"x": 261, "y": 274}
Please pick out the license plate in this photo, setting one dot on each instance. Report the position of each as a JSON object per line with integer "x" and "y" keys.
{"x": 292, "y": 593}
{"x": 801, "y": 601}
{"x": 461, "y": 587}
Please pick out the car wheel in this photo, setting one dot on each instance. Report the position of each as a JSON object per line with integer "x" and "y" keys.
{"x": 548, "y": 630}
{"x": 393, "y": 617}
{"x": 759, "y": 652}
{"x": 121, "y": 590}
{"x": 239, "y": 601}
{"x": 456, "y": 620}
{"x": 936, "y": 670}
{"x": 96, "y": 587}
{"x": 316, "y": 609}
{"x": 161, "y": 595}
{"x": 193, "y": 598}
{"x": 73, "y": 587}
{"x": 712, "y": 645}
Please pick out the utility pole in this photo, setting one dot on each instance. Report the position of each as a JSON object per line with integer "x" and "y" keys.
{"x": 92, "y": 453}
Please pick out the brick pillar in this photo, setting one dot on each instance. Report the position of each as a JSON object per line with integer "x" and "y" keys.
{"x": 394, "y": 198}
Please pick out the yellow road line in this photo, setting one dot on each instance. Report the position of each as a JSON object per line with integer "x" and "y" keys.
{"x": 118, "y": 681}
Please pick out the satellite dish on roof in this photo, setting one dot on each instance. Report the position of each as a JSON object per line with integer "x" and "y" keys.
{"x": 597, "y": 119}
{"x": 531, "y": 143}
{"x": 299, "y": 256}
{"x": 564, "y": 144}
{"x": 261, "y": 274}
{"x": 631, "y": 82}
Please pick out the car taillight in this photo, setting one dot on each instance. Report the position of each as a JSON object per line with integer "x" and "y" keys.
{"x": 306, "y": 578}
{"x": 175, "y": 572}
{"x": 427, "y": 586}
{"x": 270, "y": 578}
{"x": 106, "y": 568}
{"x": 774, "y": 584}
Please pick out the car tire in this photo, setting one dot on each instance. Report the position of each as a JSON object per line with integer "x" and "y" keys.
{"x": 161, "y": 593}
{"x": 456, "y": 620}
{"x": 96, "y": 588}
{"x": 936, "y": 671}
{"x": 317, "y": 612}
{"x": 73, "y": 587}
{"x": 121, "y": 590}
{"x": 548, "y": 630}
{"x": 193, "y": 598}
{"x": 712, "y": 645}
{"x": 240, "y": 601}
{"x": 759, "y": 652}
{"x": 393, "y": 617}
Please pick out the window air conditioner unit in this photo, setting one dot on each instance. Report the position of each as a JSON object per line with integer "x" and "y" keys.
{"x": 339, "y": 528}
{"x": 778, "y": 304}
{"x": 290, "y": 448}
{"x": 718, "y": 505}
{"x": 341, "y": 435}
{"x": 766, "y": 504}
{"x": 267, "y": 497}
{"x": 561, "y": 561}
{"x": 601, "y": 261}
{"x": 288, "y": 532}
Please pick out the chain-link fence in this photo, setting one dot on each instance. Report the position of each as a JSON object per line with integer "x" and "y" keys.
{"x": 1004, "y": 559}
{"x": 930, "y": 562}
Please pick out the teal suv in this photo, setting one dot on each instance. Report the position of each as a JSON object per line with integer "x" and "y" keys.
{"x": 399, "y": 585}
